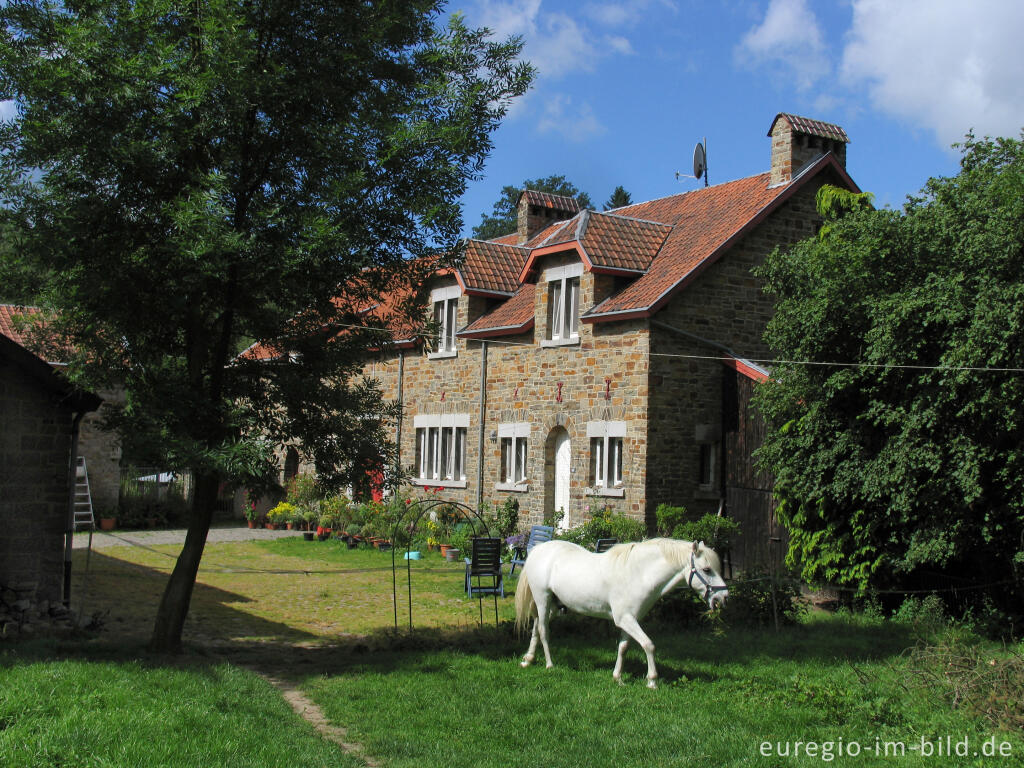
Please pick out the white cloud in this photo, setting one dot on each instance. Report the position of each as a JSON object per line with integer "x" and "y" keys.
{"x": 555, "y": 43}
{"x": 623, "y": 13}
{"x": 942, "y": 65}
{"x": 789, "y": 36}
{"x": 576, "y": 123}
{"x": 8, "y": 110}
{"x": 619, "y": 44}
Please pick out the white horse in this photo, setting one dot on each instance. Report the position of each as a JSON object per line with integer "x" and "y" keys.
{"x": 621, "y": 584}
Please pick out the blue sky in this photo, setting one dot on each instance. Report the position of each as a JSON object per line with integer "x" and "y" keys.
{"x": 625, "y": 89}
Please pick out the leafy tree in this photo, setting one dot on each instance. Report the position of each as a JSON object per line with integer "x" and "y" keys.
{"x": 896, "y": 435}
{"x": 620, "y": 197}
{"x": 190, "y": 176}
{"x": 502, "y": 219}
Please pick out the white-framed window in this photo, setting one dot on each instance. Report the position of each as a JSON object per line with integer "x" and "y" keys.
{"x": 446, "y": 304}
{"x": 564, "y": 304}
{"x": 514, "y": 439}
{"x": 606, "y": 456}
{"x": 441, "y": 448}
{"x": 708, "y": 438}
{"x": 707, "y": 472}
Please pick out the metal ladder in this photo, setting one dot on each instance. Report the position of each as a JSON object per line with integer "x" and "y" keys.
{"x": 84, "y": 519}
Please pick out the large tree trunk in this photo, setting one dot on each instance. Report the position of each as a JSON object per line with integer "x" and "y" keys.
{"x": 170, "y": 616}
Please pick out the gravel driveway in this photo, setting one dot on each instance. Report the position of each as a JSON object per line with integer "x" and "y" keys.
{"x": 102, "y": 540}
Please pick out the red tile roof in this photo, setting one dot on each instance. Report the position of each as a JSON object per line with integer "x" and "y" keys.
{"x": 511, "y": 317}
{"x": 492, "y": 267}
{"x": 706, "y": 223}
{"x": 607, "y": 242}
{"x": 10, "y": 326}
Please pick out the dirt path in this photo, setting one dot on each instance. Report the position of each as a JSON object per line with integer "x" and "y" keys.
{"x": 308, "y": 710}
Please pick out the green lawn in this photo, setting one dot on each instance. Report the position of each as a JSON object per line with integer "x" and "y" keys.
{"x": 104, "y": 713}
{"x": 452, "y": 695}
{"x": 720, "y": 699}
{"x": 282, "y": 591}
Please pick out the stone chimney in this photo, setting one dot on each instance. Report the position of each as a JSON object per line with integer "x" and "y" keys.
{"x": 797, "y": 142}
{"x": 536, "y": 210}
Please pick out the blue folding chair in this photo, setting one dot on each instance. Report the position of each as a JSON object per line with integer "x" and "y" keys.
{"x": 538, "y": 535}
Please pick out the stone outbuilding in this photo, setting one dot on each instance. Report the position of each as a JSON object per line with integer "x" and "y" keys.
{"x": 40, "y": 417}
{"x": 101, "y": 448}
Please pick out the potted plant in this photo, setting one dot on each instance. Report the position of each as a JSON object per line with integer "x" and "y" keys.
{"x": 108, "y": 520}
{"x": 252, "y": 516}
{"x": 279, "y": 516}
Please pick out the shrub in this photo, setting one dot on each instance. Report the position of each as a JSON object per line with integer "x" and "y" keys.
{"x": 506, "y": 519}
{"x": 605, "y": 524}
{"x": 750, "y": 601}
{"x": 715, "y": 531}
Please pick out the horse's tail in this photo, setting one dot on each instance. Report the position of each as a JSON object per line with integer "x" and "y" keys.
{"x": 524, "y": 603}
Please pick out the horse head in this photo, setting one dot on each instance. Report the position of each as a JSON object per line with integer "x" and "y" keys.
{"x": 706, "y": 577}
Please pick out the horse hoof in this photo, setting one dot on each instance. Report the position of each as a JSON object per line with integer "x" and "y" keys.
{"x": 619, "y": 681}
{"x": 652, "y": 684}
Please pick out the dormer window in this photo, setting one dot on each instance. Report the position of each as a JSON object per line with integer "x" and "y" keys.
{"x": 564, "y": 304}
{"x": 446, "y": 304}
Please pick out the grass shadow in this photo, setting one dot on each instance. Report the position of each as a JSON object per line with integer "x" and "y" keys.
{"x": 122, "y": 597}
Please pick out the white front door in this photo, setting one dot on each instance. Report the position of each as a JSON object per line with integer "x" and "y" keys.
{"x": 562, "y": 457}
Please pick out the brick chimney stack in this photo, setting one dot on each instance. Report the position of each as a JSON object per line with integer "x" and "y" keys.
{"x": 536, "y": 210}
{"x": 798, "y": 141}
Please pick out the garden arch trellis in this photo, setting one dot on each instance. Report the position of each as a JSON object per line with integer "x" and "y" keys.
{"x": 407, "y": 525}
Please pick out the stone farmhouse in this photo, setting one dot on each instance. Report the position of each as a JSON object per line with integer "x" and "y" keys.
{"x": 607, "y": 359}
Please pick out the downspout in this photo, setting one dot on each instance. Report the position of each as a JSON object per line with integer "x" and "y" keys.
{"x": 69, "y": 531}
{"x": 401, "y": 411}
{"x": 483, "y": 415}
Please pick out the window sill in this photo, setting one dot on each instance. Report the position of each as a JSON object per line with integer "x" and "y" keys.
{"x": 442, "y": 355}
{"x": 512, "y": 487}
{"x": 573, "y": 342}
{"x": 438, "y": 483}
{"x": 613, "y": 492}
{"x": 706, "y": 494}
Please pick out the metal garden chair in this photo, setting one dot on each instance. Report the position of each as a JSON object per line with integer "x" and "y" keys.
{"x": 483, "y": 573}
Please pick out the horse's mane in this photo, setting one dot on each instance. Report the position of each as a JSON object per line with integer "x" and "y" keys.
{"x": 675, "y": 551}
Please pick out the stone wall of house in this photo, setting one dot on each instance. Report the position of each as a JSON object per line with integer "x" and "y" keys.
{"x": 102, "y": 451}
{"x": 724, "y": 305}
{"x": 603, "y": 377}
{"x": 35, "y": 442}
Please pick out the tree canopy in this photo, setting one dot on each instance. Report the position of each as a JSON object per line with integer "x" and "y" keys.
{"x": 896, "y": 429}
{"x": 186, "y": 177}
{"x": 502, "y": 219}
{"x": 619, "y": 198}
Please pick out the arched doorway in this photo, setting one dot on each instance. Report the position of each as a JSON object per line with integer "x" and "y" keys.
{"x": 291, "y": 465}
{"x": 557, "y": 475}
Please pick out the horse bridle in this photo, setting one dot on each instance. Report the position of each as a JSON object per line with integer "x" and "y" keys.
{"x": 709, "y": 588}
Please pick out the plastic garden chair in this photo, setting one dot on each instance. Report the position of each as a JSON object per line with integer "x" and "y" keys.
{"x": 538, "y": 535}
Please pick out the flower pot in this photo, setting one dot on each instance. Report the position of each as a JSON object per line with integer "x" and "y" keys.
{"x": 107, "y": 523}
{"x": 290, "y": 526}
{"x": 308, "y": 535}
{"x": 451, "y": 554}
{"x": 252, "y": 523}
{"x": 445, "y": 548}
{"x": 271, "y": 526}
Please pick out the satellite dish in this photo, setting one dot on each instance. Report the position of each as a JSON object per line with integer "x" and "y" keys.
{"x": 700, "y": 160}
